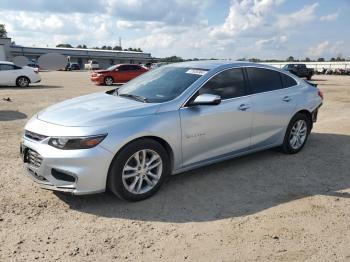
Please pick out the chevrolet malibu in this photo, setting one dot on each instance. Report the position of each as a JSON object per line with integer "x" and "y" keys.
{"x": 169, "y": 120}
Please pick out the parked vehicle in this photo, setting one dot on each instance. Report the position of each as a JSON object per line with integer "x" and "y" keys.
{"x": 12, "y": 75}
{"x": 117, "y": 74}
{"x": 299, "y": 70}
{"x": 169, "y": 120}
{"x": 91, "y": 65}
{"x": 33, "y": 64}
{"x": 72, "y": 66}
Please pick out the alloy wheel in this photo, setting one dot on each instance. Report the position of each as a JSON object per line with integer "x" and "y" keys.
{"x": 298, "y": 134}
{"x": 142, "y": 171}
{"x": 23, "y": 82}
{"x": 109, "y": 81}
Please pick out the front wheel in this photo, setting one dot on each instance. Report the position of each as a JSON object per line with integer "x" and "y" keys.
{"x": 108, "y": 81}
{"x": 297, "y": 133}
{"x": 138, "y": 170}
{"x": 22, "y": 81}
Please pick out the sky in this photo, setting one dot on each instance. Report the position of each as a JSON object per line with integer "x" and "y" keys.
{"x": 224, "y": 29}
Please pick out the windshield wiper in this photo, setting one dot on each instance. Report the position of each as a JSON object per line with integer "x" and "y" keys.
{"x": 135, "y": 97}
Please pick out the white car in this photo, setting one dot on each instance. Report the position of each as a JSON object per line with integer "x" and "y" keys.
{"x": 91, "y": 65}
{"x": 12, "y": 75}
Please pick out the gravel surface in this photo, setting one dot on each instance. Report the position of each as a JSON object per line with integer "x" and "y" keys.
{"x": 265, "y": 206}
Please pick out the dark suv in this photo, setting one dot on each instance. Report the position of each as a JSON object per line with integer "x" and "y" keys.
{"x": 299, "y": 70}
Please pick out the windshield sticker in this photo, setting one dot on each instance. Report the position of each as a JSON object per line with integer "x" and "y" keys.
{"x": 200, "y": 72}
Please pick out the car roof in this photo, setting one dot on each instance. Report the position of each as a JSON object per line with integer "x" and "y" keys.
{"x": 127, "y": 64}
{"x": 213, "y": 64}
{"x": 6, "y": 62}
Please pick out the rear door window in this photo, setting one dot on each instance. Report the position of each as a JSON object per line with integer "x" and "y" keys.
{"x": 263, "y": 80}
{"x": 227, "y": 84}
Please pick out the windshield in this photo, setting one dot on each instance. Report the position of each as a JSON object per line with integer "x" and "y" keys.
{"x": 162, "y": 84}
{"x": 111, "y": 68}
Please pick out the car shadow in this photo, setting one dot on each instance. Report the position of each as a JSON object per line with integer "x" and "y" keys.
{"x": 236, "y": 187}
{"x": 9, "y": 115}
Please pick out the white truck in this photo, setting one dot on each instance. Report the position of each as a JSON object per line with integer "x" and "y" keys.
{"x": 91, "y": 65}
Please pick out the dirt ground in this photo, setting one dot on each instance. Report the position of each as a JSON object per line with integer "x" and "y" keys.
{"x": 263, "y": 207}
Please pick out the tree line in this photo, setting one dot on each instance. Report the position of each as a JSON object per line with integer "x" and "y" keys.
{"x": 115, "y": 48}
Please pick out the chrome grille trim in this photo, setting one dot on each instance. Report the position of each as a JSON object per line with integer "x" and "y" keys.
{"x": 34, "y": 158}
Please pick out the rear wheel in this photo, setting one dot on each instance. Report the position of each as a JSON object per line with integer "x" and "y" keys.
{"x": 297, "y": 133}
{"x": 138, "y": 170}
{"x": 22, "y": 81}
{"x": 108, "y": 81}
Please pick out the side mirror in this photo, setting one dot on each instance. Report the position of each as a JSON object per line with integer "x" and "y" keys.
{"x": 206, "y": 99}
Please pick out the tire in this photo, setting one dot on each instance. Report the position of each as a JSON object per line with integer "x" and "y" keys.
{"x": 108, "y": 81}
{"x": 124, "y": 170}
{"x": 22, "y": 81}
{"x": 288, "y": 147}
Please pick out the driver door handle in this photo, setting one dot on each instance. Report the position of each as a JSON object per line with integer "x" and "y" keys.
{"x": 286, "y": 99}
{"x": 243, "y": 107}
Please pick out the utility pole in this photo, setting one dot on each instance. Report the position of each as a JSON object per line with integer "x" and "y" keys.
{"x": 120, "y": 41}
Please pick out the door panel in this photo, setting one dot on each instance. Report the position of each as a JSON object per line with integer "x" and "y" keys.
{"x": 272, "y": 105}
{"x": 7, "y": 75}
{"x": 272, "y": 111}
{"x": 213, "y": 131}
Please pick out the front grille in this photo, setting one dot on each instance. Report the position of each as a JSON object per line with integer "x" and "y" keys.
{"x": 34, "y": 136}
{"x": 34, "y": 158}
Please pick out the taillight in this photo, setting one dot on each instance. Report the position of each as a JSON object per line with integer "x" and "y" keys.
{"x": 320, "y": 94}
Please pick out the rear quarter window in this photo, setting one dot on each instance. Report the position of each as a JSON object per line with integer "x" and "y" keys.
{"x": 288, "y": 81}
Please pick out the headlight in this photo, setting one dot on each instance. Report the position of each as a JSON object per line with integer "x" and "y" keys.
{"x": 69, "y": 143}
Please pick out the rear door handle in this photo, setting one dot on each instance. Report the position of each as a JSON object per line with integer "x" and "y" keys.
{"x": 286, "y": 99}
{"x": 243, "y": 107}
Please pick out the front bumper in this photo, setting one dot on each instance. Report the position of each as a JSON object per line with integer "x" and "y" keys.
{"x": 85, "y": 169}
{"x": 97, "y": 79}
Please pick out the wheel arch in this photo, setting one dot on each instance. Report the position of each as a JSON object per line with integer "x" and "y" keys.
{"x": 23, "y": 76}
{"x": 308, "y": 114}
{"x": 158, "y": 139}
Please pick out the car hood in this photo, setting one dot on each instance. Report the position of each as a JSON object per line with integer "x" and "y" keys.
{"x": 101, "y": 71}
{"x": 95, "y": 109}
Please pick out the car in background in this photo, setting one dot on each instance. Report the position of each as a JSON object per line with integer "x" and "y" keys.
{"x": 299, "y": 70}
{"x": 167, "y": 121}
{"x": 12, "y": 75}
{"x": 91, "y": 65}
{"x": 117, "y": 74}
{"x": 33, "y": 64}
{"x": 72, "y": 66}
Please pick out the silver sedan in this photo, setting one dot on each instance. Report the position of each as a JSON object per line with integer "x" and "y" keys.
{"x": 169, "y": 120}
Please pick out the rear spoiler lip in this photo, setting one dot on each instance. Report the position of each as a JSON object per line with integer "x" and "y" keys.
{"x": 311, "y": 83}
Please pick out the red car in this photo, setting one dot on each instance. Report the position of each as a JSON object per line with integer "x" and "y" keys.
{"x": 117, "y": 74}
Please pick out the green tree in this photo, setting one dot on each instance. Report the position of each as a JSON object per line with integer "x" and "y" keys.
{"x": 290, "y": 59}
{"x": 307, "y": 59}
{"x": 117, "y": 47}
{"x": 3, "y": 32}
{"x": 65, "y": 45}
{"x": 320, "y": 59}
